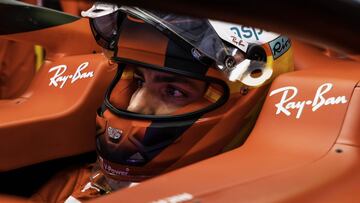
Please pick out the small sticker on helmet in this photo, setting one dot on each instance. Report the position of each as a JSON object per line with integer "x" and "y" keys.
{"x": 223, "y": 31}
{"x": 246, "y": 33}
{"x": 279, "y": 46}
{"x": 114, "y": 133}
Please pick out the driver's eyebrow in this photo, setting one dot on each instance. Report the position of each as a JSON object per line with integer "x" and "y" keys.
{"x": 190, "y": 83}
{"x": 167, "y": 78}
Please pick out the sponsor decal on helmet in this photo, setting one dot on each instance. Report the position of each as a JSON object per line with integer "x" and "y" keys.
{"x": 112, "y": 171}
{"x": 114, "y": 134}
{"x": 246, "y": 33}
{"x": 60, "y": 78}
{"x": 289, "y": 93}
{"x": 279, "y": 46}
{"x": 237, "y": 41}
{"x": 183, "y": 197}
{"x": 223, "y": 31}
{"x": 253, "y": 35}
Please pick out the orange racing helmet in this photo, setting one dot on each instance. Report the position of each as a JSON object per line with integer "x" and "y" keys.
{"x": 232, "y": 64}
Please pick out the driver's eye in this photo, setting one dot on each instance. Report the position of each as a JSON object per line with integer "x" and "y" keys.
{"x": 139, "y": 81}
{"x": 174, "y": 92}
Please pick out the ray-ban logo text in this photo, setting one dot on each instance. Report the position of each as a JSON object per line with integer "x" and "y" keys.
{"x": 288, "y": 102}
{"x": 60, "y": 78}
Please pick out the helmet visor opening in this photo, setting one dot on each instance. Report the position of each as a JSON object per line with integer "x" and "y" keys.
{"x": 149, "y": 92}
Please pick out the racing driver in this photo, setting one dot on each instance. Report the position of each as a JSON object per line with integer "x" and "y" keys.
{"x": 186, "y": 89}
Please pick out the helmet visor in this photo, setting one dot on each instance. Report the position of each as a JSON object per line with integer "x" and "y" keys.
{"x": 234, "y": 57}
{"x": 189, "y": 31}
{"x": 195, "y": 32}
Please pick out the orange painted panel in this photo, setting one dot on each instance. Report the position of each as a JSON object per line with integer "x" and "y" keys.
{"x": 63, "y": 40}
{"x": 350, "y": 133}
{"x": 56, "y": 116}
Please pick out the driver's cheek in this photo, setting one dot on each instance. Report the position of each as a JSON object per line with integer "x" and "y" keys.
{"x": 144, "y": 101}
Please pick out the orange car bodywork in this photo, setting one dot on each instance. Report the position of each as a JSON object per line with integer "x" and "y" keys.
{"x": 308, "y": 154}
{"x": 17, "y": 68}
{"x": 30, "y": 123}
{"x": 75, "y": 7}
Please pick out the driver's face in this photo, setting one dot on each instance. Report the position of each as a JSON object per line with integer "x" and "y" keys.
{"x": 161, "y": 93}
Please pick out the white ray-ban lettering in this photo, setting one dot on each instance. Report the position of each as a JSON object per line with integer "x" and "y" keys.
{"x": 59, "y": 79}
{"x": 319, "y": 100}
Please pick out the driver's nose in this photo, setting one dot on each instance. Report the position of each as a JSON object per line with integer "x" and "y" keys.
{"x": 143, "y": 101}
